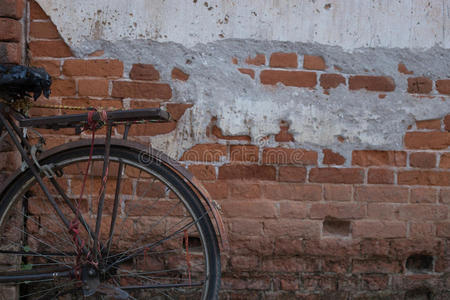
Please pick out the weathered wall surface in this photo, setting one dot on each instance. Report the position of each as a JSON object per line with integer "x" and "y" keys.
{"x": 321, "y": 129}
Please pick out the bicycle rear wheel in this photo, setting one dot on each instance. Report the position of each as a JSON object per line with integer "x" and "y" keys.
{"x": 162, "y": 245}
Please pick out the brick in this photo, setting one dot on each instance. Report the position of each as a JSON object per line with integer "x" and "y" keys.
{"x": 12, "y": 8}
{"x": 421, "y": 230}
{"x": 292, "y": 191}
{"x": 289, "y": 156}
{"x": 248, "y": 209}
{"x": 218, "y": 189}
{"x": 93, "y": 67}
{"x": 93, "y": 87}
{"x": 402, "y": 69}
{"x": 336, "y": 175}
{"x": 333, "y": 192}
{"x": 391, "y": 194}
{"x": 289, "y": 78}
{"x": 444, "y": 196}
{"x": 177, "y": 110}
{"x": 52, "y": 66}
{"x": 205, "y": 152}
{"x": 248, "y": 72}
{"x": 337, "y": 210}
{"x": 152, "y": 129}
{"x": 423, "y": 195}
{"x": 445, "y": 161}
{"x": 203, "y": 172}
{"x": 291, "y": 264}
{"x": 443, "y": 86}
{"x": 311, "y": 62}
{"x": 178, "y": 74}
{"x": 36, "y": 12}
{"x": 43, "y": 30}
{"x": 422, "y": 160}
{"x": 332, "y": 158}
{"x": 10, "y": 30}
{"x": 245, "y": 227}
{"x": 283, "y": 60}
{"x": 293, "y": 209}
{"x": 144, "y": 72}
{"x": 380, "y": 176}
{"x": 247, "y": 153}
{"x": 382, "y": 211}
{"x": 293, "y": 228}
{"x": 429, "y": 124}
{"x": 427, "y": 140}
{"x": 420, "y": 85}
{"x": 424, "y": 178}
{"x": 443, "y": 229}
{"x": 107, "y": 104}
{"x": 372, "y": 83}
{"x": 423, "y": 212}
{"x": 258, "y": 60}
{"x": 141, "y": 90}
{"x": 63, "y": 87}
{"x": 292, "y": 174}
{"x": 244, "y": 263}
{"x": 378, "y": 229}
{"x": 376, "y": 266}
{"x": 284, "y": 135}
{"x": 56, "y": 48}
{"x": 238, "y": 171}
{"x": 367, "y": 158}
{"x": 243, "y": 190}
{"x": 331, "y": 81}
{"x": 10, "y": 53}
{"x": 447, "y": 122}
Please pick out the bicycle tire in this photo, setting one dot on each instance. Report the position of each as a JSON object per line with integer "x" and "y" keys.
{"x": 23, "y": 214}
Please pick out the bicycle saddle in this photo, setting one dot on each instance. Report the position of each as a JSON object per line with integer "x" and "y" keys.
{"x": 17, "y": 81}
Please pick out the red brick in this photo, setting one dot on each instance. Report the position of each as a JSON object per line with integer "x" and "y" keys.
{"x": 203, "y": 172}
{"x": 12, "y": 8}
{"x": 423, "y": 212}
{"x": 376, "y": 266}
{"x": 423, "y": 195}
{"x": 248, "y": 153}
{"x": 10, "y": 30}
{"x": 43, "y": 30}
{"x": 311, "y": 62}
{"x": 291, "y": 264}
{"x": 239, "y": 171}
{"x": 248, "y": 72}
{"x": 141, "y": 90}
{"x": 244, "y": 263}
{"x": 144, "y": 72}
{"x": 421, "y": 230}
{"x": 218, "y": 189}
{"x": 292, "y": 174}
{"x": 177, "y": 110}
{"x": 378, "y": 158}
{"x": 10, "y": 53}
{"x": 258, "y": 60}
{"x": 93, "y": 87}
{"x": 381, "y": 194}
{"x": 336, "y": 175}
{"x": 443, "y": 229}
{"x": 420, "y": 85}
{"x": 380, "y": 176}
{"x": 292, "y": 191}
{"x": 332, "y": 158}
{"x": 52, "y": 66}
{"x": 402, "y": 69}
{"x": 36, "y": 11}
{"x": 289, "y": 78}
{"x": 245, "y": 227}
{"x": 93, "y": 67}
{"x": 289, "y": 156}
{"x": 338, "y": 210}
{"x": 447, "y": 122}
{"x": 205, "y": 152}
{"x": 445, "y": 161}
{"x": 378, "y": 229}
{"x": 424, "y": 178}
{"x": 429, "y": 124}
{"x": 293, "y": 209}
{"x": 283, "y": 60}
{"x": 372, "y": 83}
{"x": 427, "y": 140}
{"x": 293, "y": 228}
{"x": 63, "y": 87}
{"x": 248, "y": 209}
{"x": 152, "y": 129}
{"x": 382, "y": 211}
{"x": 179, "y": 74}
{"x": 443, "y": 86}
{"x": 422, "y": 160}
{"x": 56, "y": 48}
{"x": 243, "y": 190}
{"x": 337, "y": 192}
{"x": 284, "y": 135}
{"x": 444, "y": 196}
{"x": 331, "y": 81}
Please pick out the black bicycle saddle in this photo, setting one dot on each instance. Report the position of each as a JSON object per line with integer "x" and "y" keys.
{"x": 17, "y": 81}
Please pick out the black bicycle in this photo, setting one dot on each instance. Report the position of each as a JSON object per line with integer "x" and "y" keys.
{"x": 101, "y": 218}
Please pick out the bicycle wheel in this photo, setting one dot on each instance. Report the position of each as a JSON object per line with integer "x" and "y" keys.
{"x": 162, "y": 245}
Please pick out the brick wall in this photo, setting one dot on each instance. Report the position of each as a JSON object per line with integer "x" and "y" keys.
{"x": 302, "y": 222}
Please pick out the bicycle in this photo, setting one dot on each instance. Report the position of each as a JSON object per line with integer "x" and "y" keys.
{"x": 104, "y": 218}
